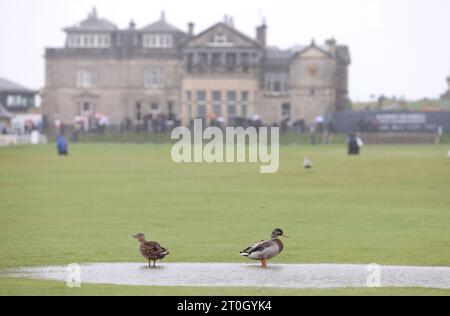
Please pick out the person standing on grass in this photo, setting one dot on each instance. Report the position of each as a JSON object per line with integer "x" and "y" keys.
{"x": 61, "y": 145}
{"x": 353, "y": 145}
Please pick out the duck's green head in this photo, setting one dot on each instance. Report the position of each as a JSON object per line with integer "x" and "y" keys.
{"x": 277, "y": 232}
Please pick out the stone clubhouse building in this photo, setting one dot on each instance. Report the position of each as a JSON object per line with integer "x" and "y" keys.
{"x": 128, "y": 74}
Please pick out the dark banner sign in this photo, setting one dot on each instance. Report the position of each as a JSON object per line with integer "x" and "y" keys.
{"x": 404, "y": 122}
{"x": 390, "y": 122}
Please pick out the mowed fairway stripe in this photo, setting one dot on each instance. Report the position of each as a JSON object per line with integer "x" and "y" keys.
{"x": 248, "y": 275}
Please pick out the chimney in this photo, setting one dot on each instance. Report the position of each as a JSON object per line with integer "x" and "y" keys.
{"x": 132, "y": 25}
{"x": 228, "y": 20}
{"x": 331, "y": 43}
{"x": 93, "y": 14}
{"x": 261, "y": 34}
{"x": 191, "y": 29}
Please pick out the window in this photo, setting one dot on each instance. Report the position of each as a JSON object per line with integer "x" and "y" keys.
{"x": 154, "y": 77}
{"x": 231, "y": 61}
{"x": 154, "y": 107}
{"x": 86, "y": 107}
{"x": 202, "y": 62}
{"x": 245, "y": 62}
{"x": 276, "y": 87}
{"x": 17, "y": 101}
{"x": 157, "y": 41}
{"x": 216, "y": 61}
{"x": 231, "y": 101}
{"x": 285, "y": 111}
{"x": 190, "y": 62}
{"x": 220, "y": 38}
{"x": 86, "y": 78}
{"x": 276, "y": 83}
{"x": 244, "y": 103}
{"x": 217, "y": 102}
{"x": 189, "y": 104}
{"x": 201, "y": 104}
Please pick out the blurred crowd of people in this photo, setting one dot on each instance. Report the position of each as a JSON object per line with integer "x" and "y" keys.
{"x": 321, "y": 130}
{"x": 28, "y": 127}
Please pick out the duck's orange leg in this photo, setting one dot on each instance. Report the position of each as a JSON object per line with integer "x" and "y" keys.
{"x": 264, "y": 263}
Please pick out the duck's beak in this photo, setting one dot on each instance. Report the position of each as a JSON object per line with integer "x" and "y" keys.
{"x": 286, "y": 236}
{"x": 134, "y": 236}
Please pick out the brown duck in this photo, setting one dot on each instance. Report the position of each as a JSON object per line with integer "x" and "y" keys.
{"x": 150, "y": 250}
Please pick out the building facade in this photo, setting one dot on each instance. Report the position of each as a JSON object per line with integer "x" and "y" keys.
{"x": 16, "y": 98}
{"x": 19, "y": 108}
{"x": 159, "y": 70}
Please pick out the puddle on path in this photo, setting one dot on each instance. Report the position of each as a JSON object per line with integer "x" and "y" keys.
{"x": 234, "y": 274}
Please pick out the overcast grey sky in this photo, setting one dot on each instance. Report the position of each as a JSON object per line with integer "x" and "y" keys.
{"x": 398, "y": 47}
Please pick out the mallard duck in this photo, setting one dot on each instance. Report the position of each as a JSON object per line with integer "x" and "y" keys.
{"x": 265, "y": 249}
{"x": 150, "y": 250}
{"x": 307, "y": 164}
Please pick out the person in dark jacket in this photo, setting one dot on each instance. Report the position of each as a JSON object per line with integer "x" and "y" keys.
{"x": 353, "y": 146}
{"x": 61, "y": 145}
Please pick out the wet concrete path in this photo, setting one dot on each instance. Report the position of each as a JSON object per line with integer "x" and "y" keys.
{"x": 250, "y": 275}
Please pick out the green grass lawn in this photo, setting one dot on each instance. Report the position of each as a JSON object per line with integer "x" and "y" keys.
{"x": 389, "y": 206}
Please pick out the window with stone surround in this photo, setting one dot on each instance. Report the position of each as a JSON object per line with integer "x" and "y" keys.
{"x": 154, "y": 77}
{"x": 201, "y": 104}
{"x": 244, "y": 103}
{"x": 231, "y": 102}
{"x": 189, "y": 104}
{"x": 276, "y": 82}
{"x": 285, "y": 111}
{"x": 157, "y": 41}
{"x": 16, "y": 101}
{"x": 217, "y": 102}
{"x": 245, "y": 62}
{"x": 202, "y": 62}
{"x": 86, "y": 78}
{"x": 190, "y": 62}
{"x": 230, "y": 61}
{"x": 220, "y": 40}
{"x": 89, "y": 40}
{"x": 216, "y": 61}
{"x": 154, "y": 107}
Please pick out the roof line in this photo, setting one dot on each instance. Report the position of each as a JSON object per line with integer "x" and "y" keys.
{"x": 229, "y": 28}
